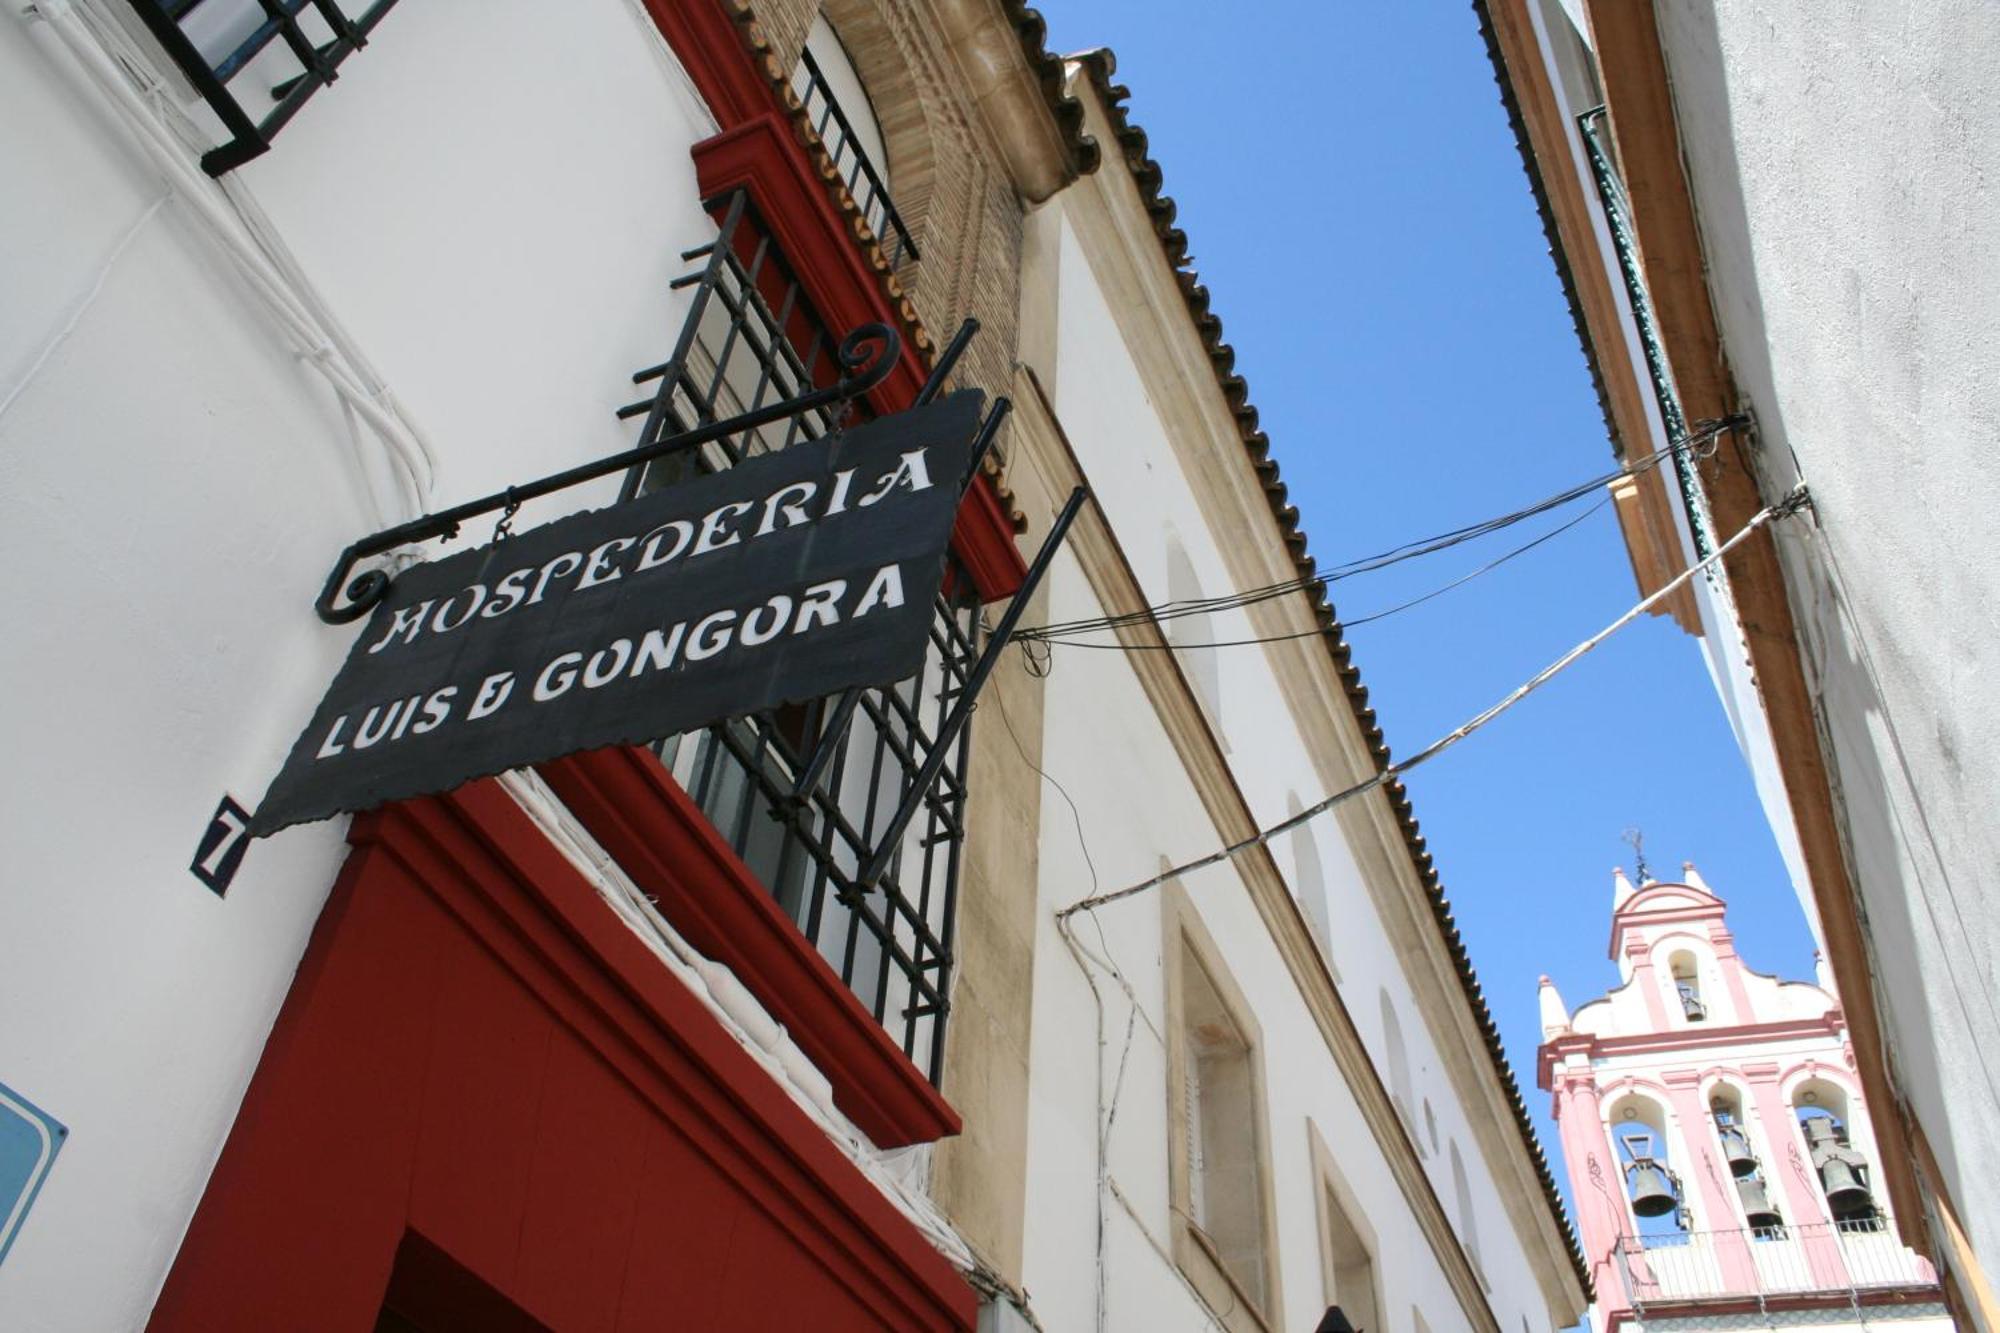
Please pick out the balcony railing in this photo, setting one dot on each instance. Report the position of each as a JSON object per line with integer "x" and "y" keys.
{"x": 295, "y": 48}
{"x": 804, "y": 793}
{"x": 860, "y": 175}
{"x": 1618, "y": 215}
{"x": 1832, "y": 1257}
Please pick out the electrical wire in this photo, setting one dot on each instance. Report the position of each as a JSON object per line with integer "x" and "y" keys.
{"x": 1700, "y": 443}
{"x": 1085, "y": 957}
{"x": 1319, "y": 631}
{"x": 1790, "y": 505}
{"x": 122, "y": 79}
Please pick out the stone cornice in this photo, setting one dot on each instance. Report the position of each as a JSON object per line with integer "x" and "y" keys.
{"x": 1017, "y": 84}
{"x": 1754, "y": 1035}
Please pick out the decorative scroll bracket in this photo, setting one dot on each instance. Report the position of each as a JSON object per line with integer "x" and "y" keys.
{"x": 867, "y": 355}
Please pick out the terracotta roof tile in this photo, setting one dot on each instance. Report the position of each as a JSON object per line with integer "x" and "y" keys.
{"x": 1033, "y": 35}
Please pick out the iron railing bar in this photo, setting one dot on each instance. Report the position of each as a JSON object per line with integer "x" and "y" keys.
{"x": 167, "y": 31}
{"x": 343, "y": 28}
{"x": 947, "y": 360}
{"x": 874, "y": 177}
{"x": 311, "y": 57}
{"x": 746, "y": 756}
{"x": 741, "y": 314}
{"x": 718, "y": 251}
{"x": 767, "y": 368}
{"x": 279, "y": 16}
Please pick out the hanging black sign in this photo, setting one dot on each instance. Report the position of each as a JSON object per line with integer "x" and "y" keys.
{"x": 786, "y": 577}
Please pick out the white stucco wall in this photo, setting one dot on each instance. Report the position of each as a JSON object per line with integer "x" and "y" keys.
{"x": 1843, "y": 157}
{"x": 1104, "y": 743}
{"x": 173, "y": 488}
{"x": 1562, "y": 34}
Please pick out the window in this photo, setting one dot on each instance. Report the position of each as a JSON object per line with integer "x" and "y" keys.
{"x": 1347, "y": 1246}
{"x": 1687, "y": 985}
{"x": 1309, "y": 883}
{"x": 1217, "y": 1167}
{"x": 1202, "y": 665}
{"x": 837, "y": 104}
{"x": 1400, "y": 1091}
{"x": 804, "y": 793}
{"x": 1468, "y": 1216}
{"x": 255, "y": 62}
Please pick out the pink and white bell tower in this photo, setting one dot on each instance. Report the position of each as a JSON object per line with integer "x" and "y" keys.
{"x": 1718, "y": 1148}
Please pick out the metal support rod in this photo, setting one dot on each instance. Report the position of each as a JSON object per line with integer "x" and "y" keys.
{"x": 835, "y": 730}
{"x": 962, "y": 711}
{"x": 828, "y": 744}
{"x": 989, "y": 430}
{"x": 947, "y": 360}
{"x": 850, "y": 139}
{"x": 859, "y": 374}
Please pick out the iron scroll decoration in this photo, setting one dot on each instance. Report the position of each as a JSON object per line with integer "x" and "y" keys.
{"x": 867, "y": 355}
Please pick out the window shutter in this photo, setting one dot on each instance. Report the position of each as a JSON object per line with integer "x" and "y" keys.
{"x": 1191, "y": 1120}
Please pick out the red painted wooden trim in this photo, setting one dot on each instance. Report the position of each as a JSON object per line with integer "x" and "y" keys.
{"x": 479, "y": 1051}
{"x": 661, "y": 838}
{"x": 706, "y": 42}
{"x": 763, "y": 156}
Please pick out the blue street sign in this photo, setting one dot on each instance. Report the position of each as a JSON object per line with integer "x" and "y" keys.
{"x": 30, "y": 1138}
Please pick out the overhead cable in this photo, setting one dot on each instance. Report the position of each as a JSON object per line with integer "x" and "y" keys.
{"x": 1318, "y": 631}
{"x": 1791, "y": 504}
{"x": 1700, "y": 440}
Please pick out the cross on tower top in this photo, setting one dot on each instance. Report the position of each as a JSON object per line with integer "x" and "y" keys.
{"x": 1638, "y": 840}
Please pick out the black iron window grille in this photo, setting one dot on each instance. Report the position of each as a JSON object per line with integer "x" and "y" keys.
{"x": 857, "y": 172}
{"x": 805, "y": 793}
{"x": 286, "y": 50}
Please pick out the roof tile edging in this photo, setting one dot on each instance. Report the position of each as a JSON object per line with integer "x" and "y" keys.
{"x": 1032, "y": 32}
{"x": 1550, "y": 233}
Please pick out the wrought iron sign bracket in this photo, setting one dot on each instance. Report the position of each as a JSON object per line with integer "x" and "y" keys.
{"x": 834, "y": 732}
{"x": 961, "y": 712}
{"x": 867, "y": 355}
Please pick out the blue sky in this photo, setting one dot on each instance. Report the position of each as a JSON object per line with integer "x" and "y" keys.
{"x": 1356, "y": 205}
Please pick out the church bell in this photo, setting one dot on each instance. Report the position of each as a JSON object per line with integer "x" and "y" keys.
{"x": 1843, "y": 1172}
{"x": 1735, "y": 1146}
{"x": 1653, "y": 1192}
{"x": 1758, "y": 1210}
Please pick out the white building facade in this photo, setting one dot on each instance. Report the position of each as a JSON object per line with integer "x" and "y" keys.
{"x": 621, "y": 1040}
{"x": 1775, "y": 216}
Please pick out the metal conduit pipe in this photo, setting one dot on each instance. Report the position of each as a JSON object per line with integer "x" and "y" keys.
{"x": 109, "y": 64}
